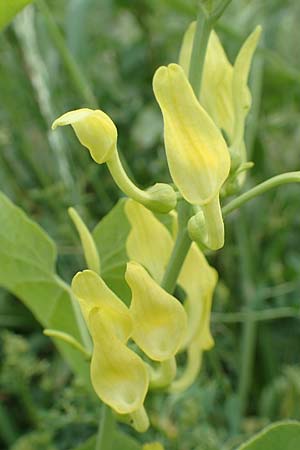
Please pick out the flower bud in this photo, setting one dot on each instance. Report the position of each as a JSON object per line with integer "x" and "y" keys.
{"x": 94, "y": 130}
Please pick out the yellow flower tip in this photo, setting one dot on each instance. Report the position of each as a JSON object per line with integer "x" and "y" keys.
{"x": 197, "y": 153}
{"x": 160, "y": 321}
{"x": 94, "y": 129}
{"x": 119, "y": 376}
{"x": 91, "y": 291}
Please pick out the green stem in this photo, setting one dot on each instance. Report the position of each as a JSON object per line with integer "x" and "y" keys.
{"x": 65, "y": 337}
{"x": 202, "y": 33}
{"x": 257, "y": 316}
{"x": 180, "y": 250}
{"x": 159, "y": 198}
{"x": 75, "y": 73}
{"x": 106, "y": 429}
{"x": 84, "y": 334}
{"x": 164, "y": 375}
{"x": 249, "y": 325}
{"x": 278, "y": 180}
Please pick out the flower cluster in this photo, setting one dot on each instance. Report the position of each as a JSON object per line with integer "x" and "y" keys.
{"x": 135, "y": 347}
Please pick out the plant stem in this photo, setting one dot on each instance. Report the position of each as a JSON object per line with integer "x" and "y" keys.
{"x": 278, "y": 180}
{"x": 180, "y": 250}
{"x": 257, "y": 316}
{"x": 249, "y": 325}
{"x": 106, "y": 429}
{"x": 202, "y": 33}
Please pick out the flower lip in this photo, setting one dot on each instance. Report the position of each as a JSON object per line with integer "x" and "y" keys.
{"x": 73, "y": 116}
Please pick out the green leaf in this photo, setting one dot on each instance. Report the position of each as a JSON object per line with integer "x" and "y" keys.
{"x": 8, "y": 10}
{"x": 110, "y": 237}
{"x": 27, "y": 261}
{"x": 120, "y": 441}
{"x": 278, "y": 436}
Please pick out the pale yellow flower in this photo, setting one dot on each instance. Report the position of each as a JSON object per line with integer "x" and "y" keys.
{"x": 94, "y": 129}
{"x": 160, "y": 321}
{"x": 197, "y": 154}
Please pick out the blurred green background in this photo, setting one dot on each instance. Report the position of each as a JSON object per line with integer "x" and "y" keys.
{"x": 61, "y": 55}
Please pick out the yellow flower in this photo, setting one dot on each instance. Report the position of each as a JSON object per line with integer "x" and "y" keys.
{"x": 160, "y": 321}
{"x": 94, "y": 129}
{"x": 142, "y": 245}
{"x": 97, "y": 132}
{"x": 119, "y": 376}
{"x": 224, "y": 92}
{"x": 149, "y": 243}
{"x": 91, "y": 292}
{"x": 197, "y": 154}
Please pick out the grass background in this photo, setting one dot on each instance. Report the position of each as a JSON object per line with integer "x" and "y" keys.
{"x": 115, "y": 47}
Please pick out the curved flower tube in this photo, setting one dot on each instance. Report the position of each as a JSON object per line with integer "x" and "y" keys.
{"x": 160, "y": 321}
{"x": 97, "y": 132}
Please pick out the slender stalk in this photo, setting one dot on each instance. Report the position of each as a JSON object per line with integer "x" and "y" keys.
{"x": 84, "y": 334}
{"x": 180, "y": 250}
{"x": 278, "y": 180}
{"x": 257, "y": 316}
{"x": 106, "y": 429}
{"x": 203, "y": 29}
{"x": 249, "y": 325}
{"x": 164, "y": 375}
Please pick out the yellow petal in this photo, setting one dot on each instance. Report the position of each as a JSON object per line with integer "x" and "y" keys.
{"x": 94, "y": 129}
{"x": 149, "y": 242}
{"x": 216, "y": 90}
{"x": 197, "y": 154}
{"x": 87, "y": 241}
{"x": 119, "y": 376}
{"x": 241, "y": 93}
{"x": 187, "y": 47}
{"x": 198, "y": 279}
{"x": 159, "y": 318}
{"x": 91, "y": 291}
{"x": 216, "y": 87}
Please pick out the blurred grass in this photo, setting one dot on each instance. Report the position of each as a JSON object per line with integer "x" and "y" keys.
{"x": 116, "y": 46}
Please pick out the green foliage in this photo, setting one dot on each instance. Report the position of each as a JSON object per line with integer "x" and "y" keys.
{"x": 110, "y": 238}
{"x": 27, "y": 257}
{"x": 9, "y": 8}
{"x": 278, "y": 436}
